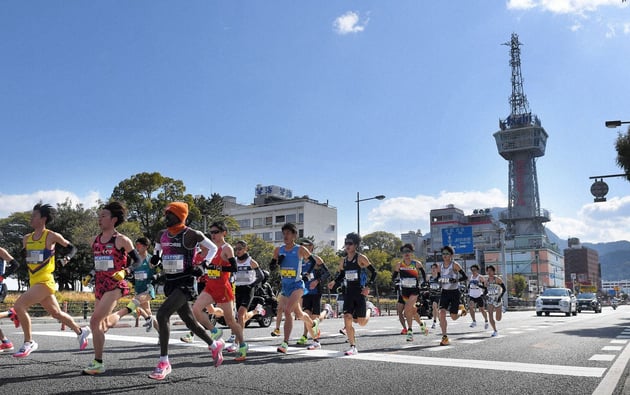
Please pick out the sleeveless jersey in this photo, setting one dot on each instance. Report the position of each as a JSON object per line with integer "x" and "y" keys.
{"x": 291, "y": 266}
{"x": 39, "y": 260}
{"x": 107, "y": 259}
{"x": 494, "y": 289}
{"x": 474, "y": 290}
{"x": 447, "y": 273}
{"x": 434, "y": 285}
{"x": 409, "y": 275}
{"x": 143, "y": 275}
{"x": 245, "y": 274}
{"x": 177, "y": 259}
{"x": 215, "y": 274}
{"x": 355, "y": 276}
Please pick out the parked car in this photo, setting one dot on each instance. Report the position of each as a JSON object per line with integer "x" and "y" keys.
{"x": 556, "y": 300}
{"x": 589, "y": 301}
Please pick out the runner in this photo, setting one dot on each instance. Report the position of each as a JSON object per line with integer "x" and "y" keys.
{"x": 248, "y": 276}
{"x": 435, "y": 289}
{"x": 40, "y": 260}
{"x": 352, "y": 270}
{"x": 290, "y": 257}
{"x": 496, "y": 290}
{"x": 476, "y": 288}
{"x": 411, "y": 274}
{"x": 176, "y": 250}
{"x": 114, "y": 258}
{"x": 142, "y": 279}
{"x": 450, "y": 276}
{"x": 314, "y": 277}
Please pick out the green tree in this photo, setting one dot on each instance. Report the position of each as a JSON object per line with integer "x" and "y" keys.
{"x": 12, "y": 231}
{"x": 210, "y": 210}
{"x": 519, "y": 283}
{"x": 147, "y": 194}
{"x": 383, "y": 241}
{"x": 622, "y": 145}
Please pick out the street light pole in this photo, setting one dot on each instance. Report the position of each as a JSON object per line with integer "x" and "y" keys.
{"x": 359, "y": 200}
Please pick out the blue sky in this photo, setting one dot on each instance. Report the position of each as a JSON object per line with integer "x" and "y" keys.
{"x": 325, "y": 98}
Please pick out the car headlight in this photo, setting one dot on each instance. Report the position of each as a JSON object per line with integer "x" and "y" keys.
{"x": 539, "y": 302}
{"x": 564, "y": 302}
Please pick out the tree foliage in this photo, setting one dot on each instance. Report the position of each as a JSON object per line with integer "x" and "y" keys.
{"x": 519, "y": 284}
{"x": 383, "y": 241}
{"x": 622, "y": 145}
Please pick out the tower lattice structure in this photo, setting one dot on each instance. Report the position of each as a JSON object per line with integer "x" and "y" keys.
{"x": 520, "y": 140}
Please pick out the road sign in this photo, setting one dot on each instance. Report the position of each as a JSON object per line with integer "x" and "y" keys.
{"x": 460, "y": 238}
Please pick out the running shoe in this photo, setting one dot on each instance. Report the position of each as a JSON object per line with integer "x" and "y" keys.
{"x": 83, "y": 337}
{"x": 409, "y": 336}
{"x": 403, "y": 331}
{"x": 162, "y": 370}
{"x": 6, "y": 346}
{"x": 486, "y": 325}
{"x": 343, "y": 331}
{"x": 231, "y": 339}
{"x": 283, "y": 348}
{"x": 302, "y": 340}
{"x": 26, "y": 349}
{"x": 242, "y": 352}
{"x": 275, "y": 333}
{"x": 148, "y": 323}
{"x": 433, "y": 325}
{"x": 462, "y": 310}
{"x": 445, "y": 341}
{"x": 231, "y": 348}
{"x": 316, "y": 331}
{"x": 473, "y": 324}
{"x": 494, "y": 334}
{"x": 314, "y": 346}
{"x": 94, "y": 368}
{"x": 14, "y": 317}
{"x": 132, "y": 308}
{"x": 329, "y": 310}
{"x": 187, "y": 338}
{"x": 215, "y": 333}
{"x": 351, "y": 351}
{"x": 217, "y": 354}
{"x": 259, "y": 310}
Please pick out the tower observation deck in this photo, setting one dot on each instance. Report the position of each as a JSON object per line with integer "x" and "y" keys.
{"x": 520, "y": 140}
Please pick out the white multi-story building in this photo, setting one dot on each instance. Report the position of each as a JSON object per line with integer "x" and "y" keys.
{"x": 275, "y": 206}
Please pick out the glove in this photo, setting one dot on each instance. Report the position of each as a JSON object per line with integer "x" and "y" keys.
{"x": 119, "y": 275}
{"x": 156, "y": 259}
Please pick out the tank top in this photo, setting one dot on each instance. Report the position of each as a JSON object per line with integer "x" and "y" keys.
{"x": 39, "y": 260}
{"x": 355, "y": 276}
{"x": 434, "y": 284}
{"x": 409, "y": 275}
{"x": 291, "y": 266}
{"x": 215, "y": 274}
{"x": 474, "y": 290}
{"x": 177, "y": 259}
{"x": 245, "y": 274}
{"x": 108, "y": 259}
{"x": 447, "y": 273}
{"x": 494, "y": 289}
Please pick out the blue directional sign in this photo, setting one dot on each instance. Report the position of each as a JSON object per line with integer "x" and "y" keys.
{"x": 460, "y": 238}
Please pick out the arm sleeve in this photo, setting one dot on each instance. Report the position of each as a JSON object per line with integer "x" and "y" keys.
{"x": 273, "y": 265}
{"x": 72, "y": 252}
{"x": 259, "y": 276}
{"x": 372, "y": 271}
{"x": 462, "y": 275}
{"x": 340, "y": 276}
{"x": 134, "y": 259}
{"x": 12, "y": 267}
{"x": 232, "y": 268}
{"x": 212, "y": 248}
{"x": 324, "y": 274}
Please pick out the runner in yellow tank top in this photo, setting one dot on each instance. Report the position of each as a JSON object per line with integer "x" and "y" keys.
{"x": 39, "y": 247}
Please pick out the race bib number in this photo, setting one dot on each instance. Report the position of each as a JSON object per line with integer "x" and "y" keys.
{"x": 288, "y": 273}
{"x": 35, "y": 256}
{"x": 140, "y": 276}
{"x": 352, "y": 275}
{"x": 103, "y": 263}
{"x": 444, "y": 280}
{"x": 435, "y": 286}
{"x": 493, "y": 290}
{"x": 408, "y": 282}
{"x": 173, "y": 264}
{"x": 214, "y": 273}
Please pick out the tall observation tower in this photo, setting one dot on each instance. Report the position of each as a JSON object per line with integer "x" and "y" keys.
{"x": 520, "y": 140}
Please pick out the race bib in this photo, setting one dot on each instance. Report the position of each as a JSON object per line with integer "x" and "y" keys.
{"x": 214, "y": 273}
{"x": 173, "y": 264}
{"x": 408, "y": 282}
{"x": 103, "y": 263}
{"x": 140, "y": 276}
{"x": 352, "y": 275}
{"x": 288, "y": 273}
{"x": 435, "y": 286}
{"x": 444, "y": 280}
{"x": 35, "y": 256}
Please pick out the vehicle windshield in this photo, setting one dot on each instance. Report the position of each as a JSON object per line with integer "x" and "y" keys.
{"x": 586, "y": 296}
{"x": 555, "y": 292}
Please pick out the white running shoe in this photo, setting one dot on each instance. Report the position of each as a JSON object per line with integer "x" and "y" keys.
{"x": 351, "y": 351}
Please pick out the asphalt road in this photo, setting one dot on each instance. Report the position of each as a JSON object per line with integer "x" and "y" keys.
{"x": 544, "y": 355}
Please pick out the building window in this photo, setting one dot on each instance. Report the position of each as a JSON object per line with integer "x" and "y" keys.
{"x": 291, "y": 218}
{"x": 332, "y": 243}
{"x": 267, "y": 236}
{"x": 279, "y": 219}
{"x": 301, "y": 233}
{"x": 244, "y": 223}
{"x": 258, "y": 222}
{"x": 268, "y": 221}
{"x": 279, "y": 236}
{"x": 301, "y": 218}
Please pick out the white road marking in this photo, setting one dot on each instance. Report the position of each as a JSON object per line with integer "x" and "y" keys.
{"x": 612, "y": 348}
{"x": 579, "y": 371}
{"x": 619, "y": 341}
{"x": 602, "y": 357}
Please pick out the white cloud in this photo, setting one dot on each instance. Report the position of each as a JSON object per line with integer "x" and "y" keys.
{"x": 17, "y": 203}
{"x": 349, "y": 23}
{"x": 594, "y": 222}
{"x": 578, "y": 7}
{"x": 575, "y": 27}
{"x": 611, "y": 31}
